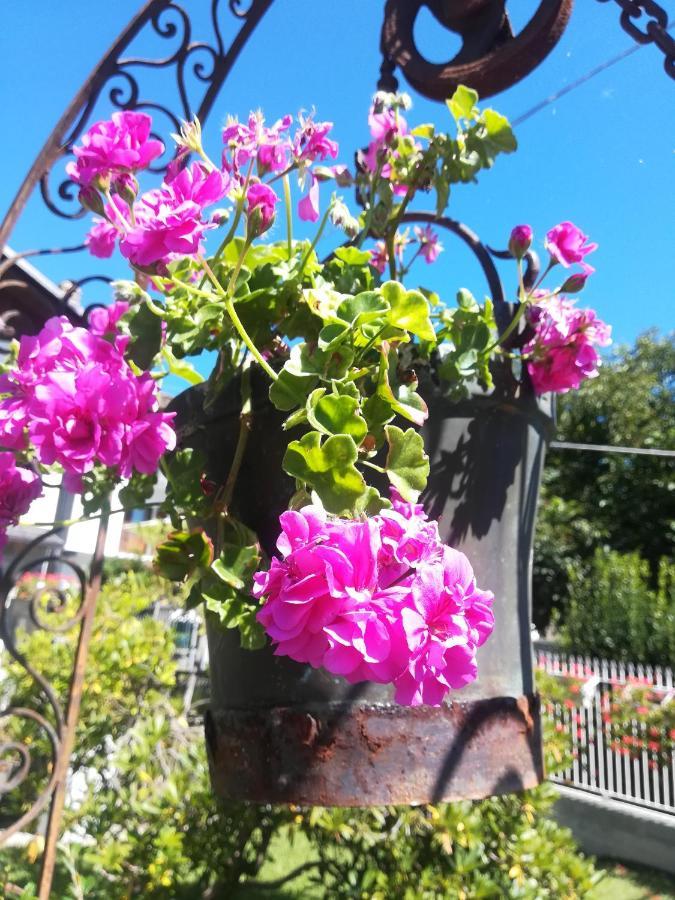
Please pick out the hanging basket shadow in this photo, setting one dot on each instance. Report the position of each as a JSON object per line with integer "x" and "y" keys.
{"x": 281, "y": 732}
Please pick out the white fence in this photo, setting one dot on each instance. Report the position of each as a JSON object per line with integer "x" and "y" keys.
{"x": 641, "y": 776}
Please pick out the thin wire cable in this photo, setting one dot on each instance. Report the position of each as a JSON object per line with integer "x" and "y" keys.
{"x": 610, "y": 448}
{"x": 582, "y": 80}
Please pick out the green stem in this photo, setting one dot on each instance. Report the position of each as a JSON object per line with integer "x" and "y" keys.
{"x": 371, "y": 207}
{"x": 66, "y": 523}
{"x": 245, "y": 418}
{"x": 521, "y": 283}
{"x": 364, "y": 462}
{"x": 391, "y": 253}
{"x": 232, "y": 313}
{"x": 239, "y": 210}
{"x": 289, "y": 215}
{"x": 122, "y": 224}
{"x": 317, "y": 238}
{"x": 510, "y": 328}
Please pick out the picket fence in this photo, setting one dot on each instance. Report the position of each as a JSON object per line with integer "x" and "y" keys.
{"x": 596, "y": 767}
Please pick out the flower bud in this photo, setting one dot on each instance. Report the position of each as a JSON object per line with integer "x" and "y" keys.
{"x": 520, "y": 241}
{"x": 127, "y": 188}
{"x": 261, "y": 202}
{"x": 341, "y": 217}
{"x": 91, "y": 199}
{"x": 219, "y": 217}
{"x": 575, "y": 283}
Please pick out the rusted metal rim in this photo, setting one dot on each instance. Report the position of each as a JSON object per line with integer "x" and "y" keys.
{"x": 509, "y": 60}
{"x": 343, "y": 755}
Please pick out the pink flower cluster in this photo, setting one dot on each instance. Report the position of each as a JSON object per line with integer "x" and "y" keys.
{"x": 381, "y": 599}
{"x": 386, "y": 126}
{"x": 562, "y": 352}
{"x": 18, "y": 488}
{"x": 75, "y": 400}
{"x": 271, "y": 149}
{"x": 429, "y": 248}
{"x": 114, "y": 149}
{"x": 163, "y": 224}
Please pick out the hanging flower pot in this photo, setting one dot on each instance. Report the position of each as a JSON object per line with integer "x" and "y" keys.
{"x": 365, "y": 647}
{"x": 280, "y": 731}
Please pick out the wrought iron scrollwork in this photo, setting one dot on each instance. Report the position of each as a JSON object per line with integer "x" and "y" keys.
{"x": 58, "y": 610}
{"x": 52, "y": 724}
{"x": 647, "y": 23}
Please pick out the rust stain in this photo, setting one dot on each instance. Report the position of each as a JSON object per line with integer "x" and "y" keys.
{"x": 375, "y": 754}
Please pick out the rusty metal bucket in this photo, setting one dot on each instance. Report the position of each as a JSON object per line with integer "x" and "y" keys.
{"x": 281, "y": 732}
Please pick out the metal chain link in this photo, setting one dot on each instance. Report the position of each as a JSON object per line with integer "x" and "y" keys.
{"x": 653, "y": 31}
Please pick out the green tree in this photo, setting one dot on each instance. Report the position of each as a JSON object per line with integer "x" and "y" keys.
{"x": 614, "y": 612}
{"x": 623, "y": 501}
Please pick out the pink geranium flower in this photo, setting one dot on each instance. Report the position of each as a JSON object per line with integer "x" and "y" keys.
{"x": 168, "y": 222}
{"x": 379, "y": 257}
{"x": 100, "y": 239}
{"x": 79, "y": 403}
{"x": 445, "y": 619}
{"x": 308, "y": 207}
{"x": 261, "y": 202}
{"x": 18, "y": 488}
{"x": 567, "y": 244}
{"x": 165, "y": 228}
{"x": 381, "y": 600}
{"x": 311, "y": 141}
{"x": 113, "y": 148}
{"x": 103, "y": 320}
{"x": 197, "y": 184}
{"x": 430, "y": 245}
{"x": 562, "y": 353}
{"x": 269, "y": 146}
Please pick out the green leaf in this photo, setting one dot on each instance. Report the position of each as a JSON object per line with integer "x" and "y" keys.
{"x": 181, "y": 367}
{"x": 146, "y": 335}
{"x": 334, "y": 414}
{"x": 182, "y": 554}
{"x": 328, "y": 469}
{"x": 378, "y": 412}
{"x": 362, "y": 308}
{"x": 409, "y": 310}
{"x": 290, "y": 390}
{"x": 466, "y": 300}
{"x": 352, "y": 256}
{"x": 402, "y": 398}
{"x": 442, "y": 185}
{"x": 236, "y": 564}
{"x": 232, "y": 609}
{"x": 499, "y": 131}
{"x": 407, "y": 464}
{"x": 327, "y": 364}
{"x": 463, "y": 103}
{"x": 185, "y": 468}
{"x": 332, "y": 335}
{"x": 371, "y": 503}
{"x": 426, "y": 131}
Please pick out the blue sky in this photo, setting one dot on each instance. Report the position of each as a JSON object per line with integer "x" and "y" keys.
{"x": 601, "y": 156}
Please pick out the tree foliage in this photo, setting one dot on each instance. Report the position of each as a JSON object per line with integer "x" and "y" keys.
{"x": 622, "y": 501}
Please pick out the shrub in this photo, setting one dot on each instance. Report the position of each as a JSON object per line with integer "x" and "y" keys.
{"x": 148, "y": 826}
{"x": 613, "y": 612}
